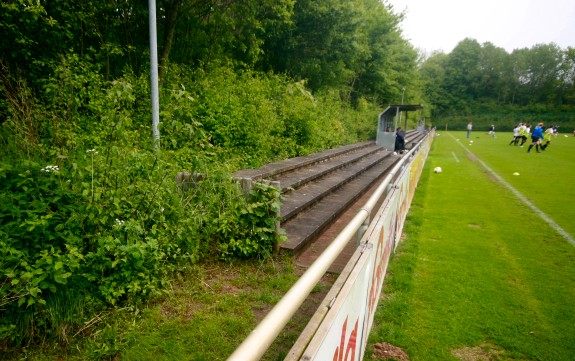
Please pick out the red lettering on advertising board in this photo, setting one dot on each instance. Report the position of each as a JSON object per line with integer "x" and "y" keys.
{"x": 376, "y": 276}
{"x": 351, "y": 344}
{"x": 382, "y": 253}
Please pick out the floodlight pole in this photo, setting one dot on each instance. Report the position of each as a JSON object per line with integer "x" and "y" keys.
{"x": 402, "y": 94}
{"x": 154, "y": 74}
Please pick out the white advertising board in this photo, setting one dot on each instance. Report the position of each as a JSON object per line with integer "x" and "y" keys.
{"x": 344, "y": 322}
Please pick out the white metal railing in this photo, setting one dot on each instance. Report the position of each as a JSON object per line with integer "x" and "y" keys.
{"x": 260, "y": 339}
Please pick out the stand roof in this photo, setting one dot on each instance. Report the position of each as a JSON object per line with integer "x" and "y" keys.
{"x": 391, "y": 110}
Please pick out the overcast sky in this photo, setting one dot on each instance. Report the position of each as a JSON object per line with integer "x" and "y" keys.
{"x": 510, "y": 24}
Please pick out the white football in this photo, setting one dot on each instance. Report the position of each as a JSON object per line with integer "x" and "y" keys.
{"x": 471, "y": 141}
{"x": 437, "y": 169}
{"x": 515, "y": 173}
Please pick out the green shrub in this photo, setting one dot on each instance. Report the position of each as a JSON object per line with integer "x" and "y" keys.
{"x": 113, "y": 225}
{"x": 249, "y": 119}
{"x": 83, "y": 225}
{"x": 249, "y": 229}
{"x": 91, "y": 216}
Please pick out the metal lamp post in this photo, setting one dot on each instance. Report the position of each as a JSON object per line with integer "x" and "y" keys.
{"x": 154, "y": 74}
{"x": 402, "y": 94}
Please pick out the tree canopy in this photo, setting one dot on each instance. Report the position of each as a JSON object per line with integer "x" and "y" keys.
{"x": 476, "y": 79}
{"x": 355, "y": 46}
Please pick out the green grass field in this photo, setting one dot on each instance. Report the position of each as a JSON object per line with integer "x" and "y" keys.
{"x": 480, "y": 275}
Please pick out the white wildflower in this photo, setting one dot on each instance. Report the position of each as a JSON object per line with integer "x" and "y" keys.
{"x": 92, "y": 151}
{"x": 50, "y": 169}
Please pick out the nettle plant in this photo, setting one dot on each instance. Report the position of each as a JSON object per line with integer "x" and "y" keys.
{"x": 108, "y": 227}
{"x": 113, "y": 225}
{"x": 251, "y": 229}
{"x": 89, "y": 212}
{"x": 230, "y": 221}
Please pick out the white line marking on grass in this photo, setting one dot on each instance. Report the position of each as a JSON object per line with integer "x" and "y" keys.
{"x": 455, "y": 156}
{"x": 523, "y": 199}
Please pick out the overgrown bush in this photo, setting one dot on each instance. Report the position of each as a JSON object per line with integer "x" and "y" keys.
{"x": 251, "y": 227}
{"x": 249, "y": 119}
{"x": 91, "y": 215}
{"x": 83, "y": 225}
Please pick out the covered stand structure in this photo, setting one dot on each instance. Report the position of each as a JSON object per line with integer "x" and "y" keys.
{"x": 389, "y": 120}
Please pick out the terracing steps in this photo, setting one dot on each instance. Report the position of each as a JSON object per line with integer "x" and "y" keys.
{"x": 319, "y": 187}
{"x": 322, "y": 202}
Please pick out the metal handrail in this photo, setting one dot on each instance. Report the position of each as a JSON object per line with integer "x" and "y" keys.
{"x": 260, "y": 339}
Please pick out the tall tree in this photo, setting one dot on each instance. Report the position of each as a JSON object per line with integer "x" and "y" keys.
{"x": 494, "y": 64}
{"x": 325, "y": 43}
{"x": 543, "y": 66}
{"x": 228, "y": 30}
{"x": 392, "y": 61}
{"x": 462, "y": 73}
{"x": 567, "y": 77}
{"x": 432, "y": 72}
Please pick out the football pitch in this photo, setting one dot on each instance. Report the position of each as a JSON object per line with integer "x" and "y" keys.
{"x": 487, "y": 266}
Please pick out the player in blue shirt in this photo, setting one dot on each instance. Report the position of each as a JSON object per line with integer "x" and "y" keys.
{"x": 536, "y": 137}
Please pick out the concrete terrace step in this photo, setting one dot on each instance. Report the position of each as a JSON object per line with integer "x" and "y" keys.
{"x": 275, "y": 169}
{"x": 296, "y": 178}
{"x": 307, "y": 225}
{"x": 413, "y": 138}
{"x": 319, "y": 188}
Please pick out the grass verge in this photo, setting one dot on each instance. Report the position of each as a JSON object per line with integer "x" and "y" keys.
{"x": 209, "y": 310}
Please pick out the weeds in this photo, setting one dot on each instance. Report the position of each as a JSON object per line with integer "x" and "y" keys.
{"x": 93, "y": 219}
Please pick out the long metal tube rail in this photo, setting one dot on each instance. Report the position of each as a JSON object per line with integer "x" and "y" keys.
{"x": 260, "y": 339}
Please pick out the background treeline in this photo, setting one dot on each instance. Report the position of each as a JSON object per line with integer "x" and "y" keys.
{"x": 485, "y": 84}
{"x": 91, "y": 215}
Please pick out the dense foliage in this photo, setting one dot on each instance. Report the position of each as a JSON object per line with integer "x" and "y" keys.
{"x": 90, "y": 212}
{"x": 91, "y": 215}
{"x": 354, "y": 46}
